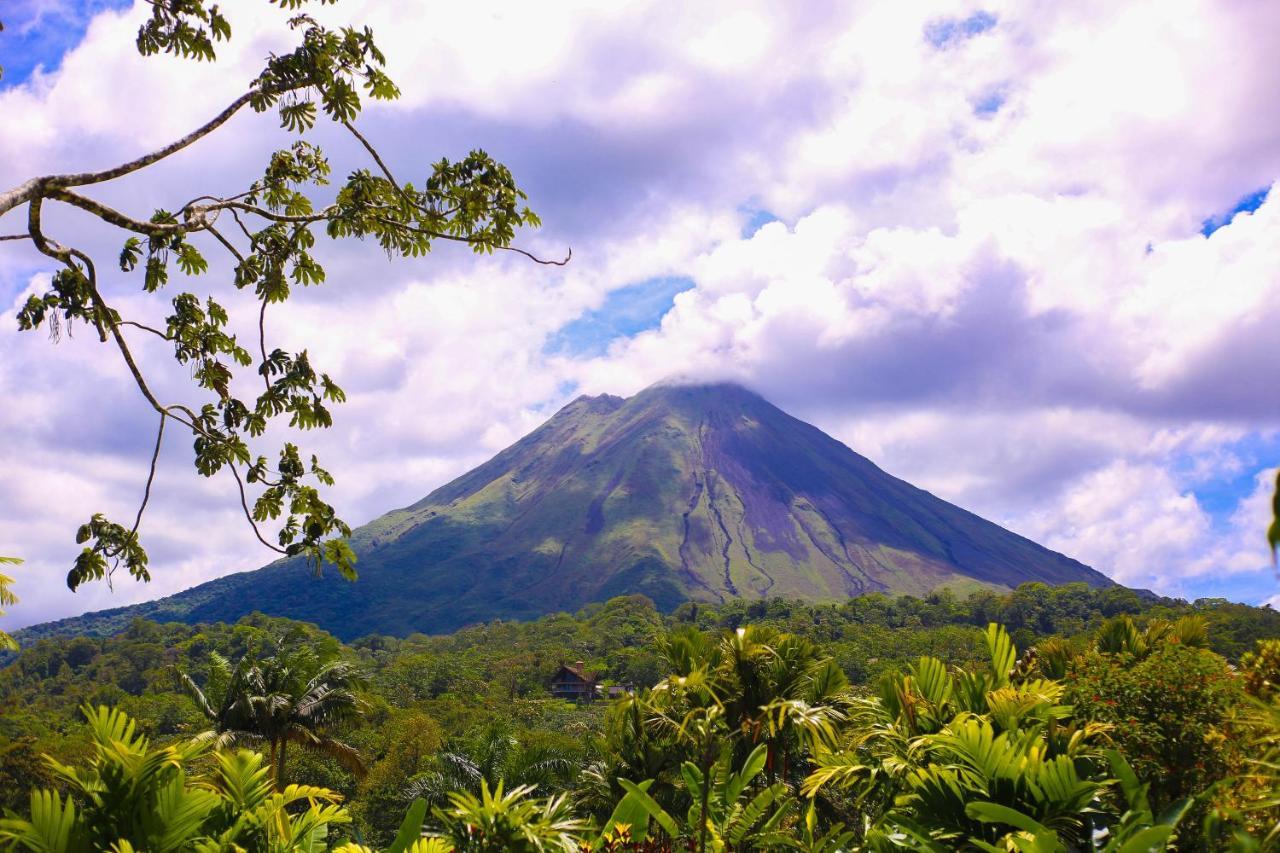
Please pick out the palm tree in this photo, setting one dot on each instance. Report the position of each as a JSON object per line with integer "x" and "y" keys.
{"x": 133, "y": 795}
{"x": 936, "y": 742}
{"x": 775, "y": 688}
{"x": 729, "y": 812}
{"x": 1122, "y": 636}
{"x": 493, "y": 756}
{"x": 507, "y": 821}
{"x": 290, "y": 696}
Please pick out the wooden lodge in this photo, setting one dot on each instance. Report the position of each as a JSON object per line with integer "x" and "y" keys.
{"x": 575, "y": 683}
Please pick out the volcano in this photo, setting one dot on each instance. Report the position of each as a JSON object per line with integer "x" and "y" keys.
{"x": 681, "y": 492}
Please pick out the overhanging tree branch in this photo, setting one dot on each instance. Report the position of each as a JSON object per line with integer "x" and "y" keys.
{"x": 473, "y": 201}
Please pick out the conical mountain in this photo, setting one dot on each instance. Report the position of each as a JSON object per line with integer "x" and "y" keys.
{"x": 703, "y": 492}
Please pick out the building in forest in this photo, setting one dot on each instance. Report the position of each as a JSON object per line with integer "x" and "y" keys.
{"x": 574, "y": 682}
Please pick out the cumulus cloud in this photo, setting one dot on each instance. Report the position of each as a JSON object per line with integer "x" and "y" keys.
{"x": 986, "y": 271}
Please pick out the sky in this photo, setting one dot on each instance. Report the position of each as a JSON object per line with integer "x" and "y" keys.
{"x": 1020, "y": 254}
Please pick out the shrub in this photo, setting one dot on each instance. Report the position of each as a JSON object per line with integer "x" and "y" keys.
{"x": 1168, "y": 710}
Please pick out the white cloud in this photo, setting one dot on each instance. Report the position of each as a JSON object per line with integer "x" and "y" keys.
{"x": 966, "y": 296}
{"x": 1133, "y": 519}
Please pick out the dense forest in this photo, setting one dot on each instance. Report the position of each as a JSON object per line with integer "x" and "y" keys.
{"x": 1082, "y": 717}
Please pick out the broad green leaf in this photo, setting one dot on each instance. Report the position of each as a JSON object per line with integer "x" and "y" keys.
{"x": 651, "y": 806}
{"x": 411, "y": 828}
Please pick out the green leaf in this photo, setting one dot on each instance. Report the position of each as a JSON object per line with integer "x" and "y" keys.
{"x": 657, "y": 812}
{"x": 1002, "y": 651}
{"x": 1175, "y": 812}
{"x": 1149, "y": 840}
{"x": 750, "y": 769}
{"x": 630, "y": 812}
{"x": 996, "y": 813}
{"x": 410, "y": 828}
{"x": 1135, "y": 793}
{"x": 693, "y": 780}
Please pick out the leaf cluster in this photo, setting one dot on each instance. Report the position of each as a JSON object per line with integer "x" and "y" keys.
{"x": 268, "y": 232}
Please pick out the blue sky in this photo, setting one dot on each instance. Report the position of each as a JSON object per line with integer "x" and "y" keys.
{"x": 944, "y": 32}
{"x": 756, "y": 219}
{"x": 1220, "y": 493}
{"x": 1247, "y": 204}
{"x": 627, "y": 311}
{"x": 1023, "y": 258}
{"x": 38, "y": 32}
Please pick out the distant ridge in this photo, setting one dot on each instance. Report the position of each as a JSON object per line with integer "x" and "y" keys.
{"x": 703, "y": 492}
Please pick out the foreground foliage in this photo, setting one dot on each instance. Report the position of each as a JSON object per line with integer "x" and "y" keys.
{"x": 1130, "y": 735}
{"x": 135, "y": 796}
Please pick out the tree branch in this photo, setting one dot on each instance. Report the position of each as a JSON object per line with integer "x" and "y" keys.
{"x": 373, "y": 152}
{"x": 262, "y": 341}
{"x": 144, "y": 327}
{"x": 224, "y": 241}
{"x": 22, "y": 193}
{"x": 27, "y": 191}
{"x": 440, "y": 235}
{"x": 83, "y": 178}
{"x": 115, "y": 217}
{"x": 102, "y": 310}
{"x": 244, "y": 503}
{"x": 151, "y": 476}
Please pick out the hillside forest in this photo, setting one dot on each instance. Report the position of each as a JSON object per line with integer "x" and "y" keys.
{"x": 1045, "y": 719}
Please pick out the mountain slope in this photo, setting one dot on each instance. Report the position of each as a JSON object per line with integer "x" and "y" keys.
{"x": 681, "y": 492}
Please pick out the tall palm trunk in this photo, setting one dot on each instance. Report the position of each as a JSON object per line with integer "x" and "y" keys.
{"x": 280, "y": 768}
{"x": 272, "y": 759}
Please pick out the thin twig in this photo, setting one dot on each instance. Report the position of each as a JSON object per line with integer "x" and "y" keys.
{"x": 4, "y": 237}
{"x": 151, "y": 475}
{"x": 214, "y": 198}
{"x": 244, "y": 502}
{"x": 262, "y": 341}
{"x": 568, "y": 257}
{"x": 373, "y": 152}
{"x": 305, "y": 219}
{"x": 189, "y": 421}
{"x": 240, "y": 222}
{"x": 440, "y": 235}
{"x": 144, "y": 327}
{"x": 224, "y": 241}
